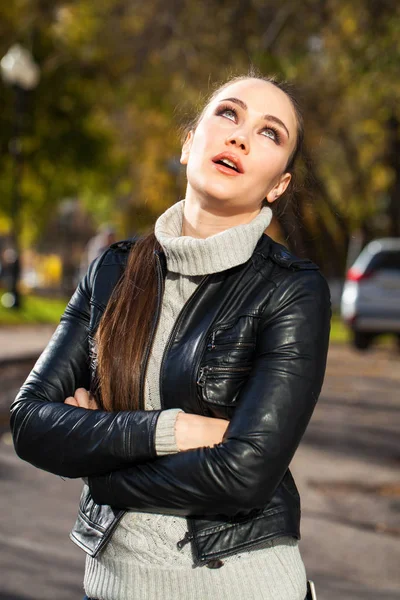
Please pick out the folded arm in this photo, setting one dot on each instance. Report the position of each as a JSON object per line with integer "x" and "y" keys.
{"x": 64, "y": 439}
{"x": 272, "y": 413}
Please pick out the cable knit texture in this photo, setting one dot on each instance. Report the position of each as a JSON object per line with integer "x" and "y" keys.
{"x": 142, "y": 561}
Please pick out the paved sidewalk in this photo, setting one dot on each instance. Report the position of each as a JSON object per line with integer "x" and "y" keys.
{"x": 21, "y": 342}
{"x": 347, "y": 471}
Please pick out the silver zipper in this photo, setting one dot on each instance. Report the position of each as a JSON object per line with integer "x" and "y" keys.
{"x": 188, "y": 538}
{"x": 201, "y": 380}
{"x": 212, "y": 345}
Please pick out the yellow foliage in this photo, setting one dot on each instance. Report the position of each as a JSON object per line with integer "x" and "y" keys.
{"x": 45, "y": 268}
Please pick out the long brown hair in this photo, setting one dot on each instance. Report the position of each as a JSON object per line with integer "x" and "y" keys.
{"x": 125, "y": 328}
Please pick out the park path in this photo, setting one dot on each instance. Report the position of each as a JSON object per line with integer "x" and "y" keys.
{"x": 347, "y": 469}
{"x": 21, "y": 341}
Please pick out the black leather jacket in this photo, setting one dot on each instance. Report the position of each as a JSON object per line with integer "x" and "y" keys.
{"x": 250, "y": 345}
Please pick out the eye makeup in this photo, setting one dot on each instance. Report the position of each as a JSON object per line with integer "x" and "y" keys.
{"x": 269, "y": 118}
{"x": 223, "y": 108}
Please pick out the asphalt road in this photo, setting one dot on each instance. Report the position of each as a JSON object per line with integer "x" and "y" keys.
{"x": 347, "y": 470}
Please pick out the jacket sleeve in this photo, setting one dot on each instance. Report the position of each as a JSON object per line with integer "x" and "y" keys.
{"x": 66, "y": 440}
{"x": 272, "y": 413}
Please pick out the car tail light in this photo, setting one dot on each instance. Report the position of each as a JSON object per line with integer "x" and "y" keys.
{"x": 354, "y": 274}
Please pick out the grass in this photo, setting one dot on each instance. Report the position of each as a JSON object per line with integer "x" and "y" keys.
{"x": 34, "y": 309}
{"x": 342, "y": 335}
{"x": 339, "y": 332}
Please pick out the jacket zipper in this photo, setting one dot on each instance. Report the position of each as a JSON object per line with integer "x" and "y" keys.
{"x": 188, "y": 538}
{"x": 197, "y": 561}
{"x": 160, "y": 290}
{"x": 201, "y": 380}
{"x": 212, "y": 345}
{"x": 174, "y": 329}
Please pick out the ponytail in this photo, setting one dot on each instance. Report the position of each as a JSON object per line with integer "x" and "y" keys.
{"x": 125, "y": 329}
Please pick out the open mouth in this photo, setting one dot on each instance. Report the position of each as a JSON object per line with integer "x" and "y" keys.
{"x": 227, "y": 163}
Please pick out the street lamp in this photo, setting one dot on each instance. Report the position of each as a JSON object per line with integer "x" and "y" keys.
{"x": 18, "y": 70}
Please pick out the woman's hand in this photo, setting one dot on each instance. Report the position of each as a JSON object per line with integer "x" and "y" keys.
{"x": 82, "y": 399}
{"x": 191, "y": 431}
{"x": 195, "y": 431}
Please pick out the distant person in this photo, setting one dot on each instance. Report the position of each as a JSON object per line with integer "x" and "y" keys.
{"x": 105, "y": 236}
{"x": 100, "y": 242}
{"x": 182, "y": 399}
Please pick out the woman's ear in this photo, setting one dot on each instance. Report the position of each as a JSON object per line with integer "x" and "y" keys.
{"x": 279, "y": 188}
{"x": 187, "y": 144}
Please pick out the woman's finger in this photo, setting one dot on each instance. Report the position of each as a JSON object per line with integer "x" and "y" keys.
{"x": 85, "y": 399}
{"x": 82, "y": 397}
{"x": 71, "y": 401}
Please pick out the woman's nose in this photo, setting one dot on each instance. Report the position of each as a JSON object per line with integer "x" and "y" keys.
{"x": 239, "y": 140}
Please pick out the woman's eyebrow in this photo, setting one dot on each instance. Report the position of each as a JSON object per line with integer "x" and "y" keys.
{"x": 266, "y": 117}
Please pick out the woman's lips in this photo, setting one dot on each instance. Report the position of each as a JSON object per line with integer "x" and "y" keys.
{"x": 225, "y": 170}
{"x": 235, "y": 168}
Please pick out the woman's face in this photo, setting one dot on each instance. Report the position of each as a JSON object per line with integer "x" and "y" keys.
{"x": 238, "y": 152}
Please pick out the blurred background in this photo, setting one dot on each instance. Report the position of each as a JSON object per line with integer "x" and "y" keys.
{"x": 93, "y": 99}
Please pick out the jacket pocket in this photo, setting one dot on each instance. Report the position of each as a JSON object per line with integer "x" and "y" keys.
{"x": 230, "y": 347}
{"x": 221, "y": 385}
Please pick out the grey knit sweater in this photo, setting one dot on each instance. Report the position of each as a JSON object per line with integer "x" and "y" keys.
{"x": 141, "y": 561}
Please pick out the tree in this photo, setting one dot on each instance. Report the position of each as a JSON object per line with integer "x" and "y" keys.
{"x": 114, "y": 73}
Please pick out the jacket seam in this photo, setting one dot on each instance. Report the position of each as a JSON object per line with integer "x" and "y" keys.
{"x": 278, "y": 288}
{"x": 77, "y": 540}
{"x": 244, "y": 545}
{"x": 225, "y": 526}
{"x": 108, "y": 483}
{"x": 128, "y": 439}
{"x": 97, "y": 305}
{"x": 92, "y": 523}
{"x": 96, "y": 271}
{"x": 256, "y": 314}
{"x": 151, "y": 435}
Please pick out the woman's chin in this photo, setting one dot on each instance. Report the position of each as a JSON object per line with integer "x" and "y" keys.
{"x": 216, "y": 192}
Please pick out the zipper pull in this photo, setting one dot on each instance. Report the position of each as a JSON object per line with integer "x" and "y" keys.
{"x": 211, "y": 345}
{"x": 201, "y": 379}
{"x": 188, "y": 537}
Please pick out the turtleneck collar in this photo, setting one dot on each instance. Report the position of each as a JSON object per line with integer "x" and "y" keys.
{"x": 193, "y": 256}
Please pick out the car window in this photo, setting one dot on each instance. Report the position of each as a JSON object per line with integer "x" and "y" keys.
{"x": 386, "y": 260}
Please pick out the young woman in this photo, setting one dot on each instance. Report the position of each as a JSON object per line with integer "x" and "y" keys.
{"x": 184, "y": 373}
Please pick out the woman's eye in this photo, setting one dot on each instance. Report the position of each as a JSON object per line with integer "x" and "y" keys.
{"x": 228, "y": 112}
{"x": 271, "y": 133}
